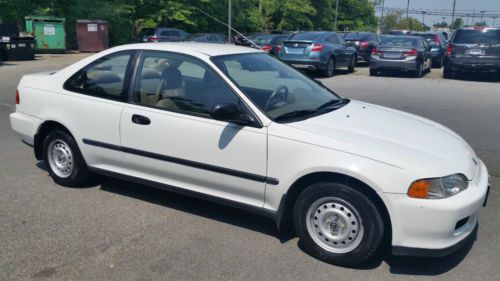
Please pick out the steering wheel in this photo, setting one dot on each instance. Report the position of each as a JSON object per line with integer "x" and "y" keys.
{"x": 279, "y": 95}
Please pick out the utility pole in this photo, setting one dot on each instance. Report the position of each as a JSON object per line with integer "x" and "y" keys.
{"x": 482, "y": 14}
{"x": 494, "y": 19}
{"x": 467, "y": 20}
{"x": 381, "y": 17}
{"x": 229, "y": 16}
{"x": 453, "y": 15}
{"x": 336, "y": 13}
{"x": 423, "y": 17}
{"x": 407, "y": 8}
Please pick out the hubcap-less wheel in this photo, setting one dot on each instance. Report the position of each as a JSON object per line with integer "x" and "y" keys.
{"x": 331, "y": 67}
{"x": 60, "y": 158}
{"x": 334, "y": 225}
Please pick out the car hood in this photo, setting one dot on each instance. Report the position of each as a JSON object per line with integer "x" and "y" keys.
{"x": 390, "y": 136}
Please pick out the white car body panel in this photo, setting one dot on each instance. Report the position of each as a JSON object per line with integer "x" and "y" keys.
{"x": 383, "y": 148}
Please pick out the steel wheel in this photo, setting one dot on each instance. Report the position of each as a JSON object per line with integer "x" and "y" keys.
{"x": 330, "y": 67}
{"x": 334, "y": 225}
{"x": 60, "y": 158}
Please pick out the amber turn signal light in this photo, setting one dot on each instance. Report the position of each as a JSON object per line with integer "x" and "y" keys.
{"x": 419, "y": 189}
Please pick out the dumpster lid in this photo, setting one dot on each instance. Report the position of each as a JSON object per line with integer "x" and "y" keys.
{"x": 91, "y": 21}
{"x": 45, "y": 18}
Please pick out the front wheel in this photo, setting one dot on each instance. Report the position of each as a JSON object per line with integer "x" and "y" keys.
{"x": 338, "y": 224}
{"x": 64, "y": 160}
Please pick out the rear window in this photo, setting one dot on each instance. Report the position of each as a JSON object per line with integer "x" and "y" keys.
{"x": 487, "y": 36}
{"x": 170, "y": 33}
{"x": 307, "y": 36}
{"x": 354, "y": 36}
{"x": 262, "y": 39}
{"x": 427, "y": 36}
{"x": 399, "y": 41}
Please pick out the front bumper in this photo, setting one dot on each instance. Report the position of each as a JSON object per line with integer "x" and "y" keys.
{"x": 467, "y": 64}
{"x": 436, "y": 227}
{"x": 408, "y": 64}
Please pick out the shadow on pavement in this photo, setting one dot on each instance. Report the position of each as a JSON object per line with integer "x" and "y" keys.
{"x": 476, "y": 77}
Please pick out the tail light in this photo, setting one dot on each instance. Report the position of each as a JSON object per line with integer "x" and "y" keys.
{"x": 279, "y": 47}
{"x": 317, "y": 48}
{"x": 437, "y": 39}
{"x": 18, "y": 100}
{"x": 154, "y": 38}
{"x": 410, "y": 53}
{"x": 364, "y": 44}
{"x": 450, "y": 49}
{"x": 266, "y": 48}
{"x": 376, "y": 51}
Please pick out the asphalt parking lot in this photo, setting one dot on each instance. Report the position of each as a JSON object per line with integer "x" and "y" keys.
{"x": 115, "y": 230}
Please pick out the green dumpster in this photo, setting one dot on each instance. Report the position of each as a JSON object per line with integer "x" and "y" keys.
{"x": 49, "y": 33}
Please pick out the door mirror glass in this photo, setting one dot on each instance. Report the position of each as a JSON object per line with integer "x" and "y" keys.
{"x": 230, "y": 112}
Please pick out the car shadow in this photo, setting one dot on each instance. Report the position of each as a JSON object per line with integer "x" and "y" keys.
{"x": 400, "y": 74}
{"x": 476, "y": 77}
{"x": 194, "y": 206}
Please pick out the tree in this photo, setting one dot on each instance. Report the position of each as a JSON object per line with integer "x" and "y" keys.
{"x": 457, "y": 23}
{"x": 441, "y": 24}
{"x": 481, "y": 23}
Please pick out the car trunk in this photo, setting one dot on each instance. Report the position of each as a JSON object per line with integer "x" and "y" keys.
{"x": 393, "y": 52}
{"x": 297, "y": 49}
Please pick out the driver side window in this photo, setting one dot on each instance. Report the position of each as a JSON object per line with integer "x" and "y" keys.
{"x": 105, "y": 77}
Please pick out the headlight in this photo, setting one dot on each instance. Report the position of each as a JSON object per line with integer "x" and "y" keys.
{"x": 438, "y": 188}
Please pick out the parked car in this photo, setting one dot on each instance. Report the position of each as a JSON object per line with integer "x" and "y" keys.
{"x": 271, "y": 43}
{"x": 401, "y": 53}
{"x": 438, "y": 45}
{"x": 236, "y": 126}
{"x": 243, "y": 40}
{"x": 145, "y": 35}
{"x": 363, "y": 42}
{"x": 399, "y": 32}
{"x": 318, "y": 50}
{"x": 475, "y": 50}
{"x": 207, "y": 38}
{"x": 164, "y": 34}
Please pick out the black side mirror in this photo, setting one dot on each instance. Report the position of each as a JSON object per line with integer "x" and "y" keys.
{"x": 230, "y": 112}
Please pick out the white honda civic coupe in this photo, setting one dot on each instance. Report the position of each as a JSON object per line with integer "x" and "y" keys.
{"x": 237, "y": 126}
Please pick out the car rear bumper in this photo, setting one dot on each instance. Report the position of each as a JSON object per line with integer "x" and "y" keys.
{"x": 409, "y": 64}
{"x": 25, "y": 126}
{"x": 436, "y": 227}
{"x": 306, "y": 64}
{"x": 473, "y": 64}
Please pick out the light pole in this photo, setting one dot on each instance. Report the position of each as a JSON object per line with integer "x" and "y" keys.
{"x": 336, "y": 13}
{"x": 453, "y": 15}
{"x": 482, "y": 14}
{"x": 494, "y": 19}
{"x": 407, "y": 8}
{"x": 229, "y": 16}
{"x": 381, "y": 17}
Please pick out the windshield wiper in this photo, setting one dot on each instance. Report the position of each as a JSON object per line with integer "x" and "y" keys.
{"x": 334, "y": 104}
{"x": 295, "y": 113}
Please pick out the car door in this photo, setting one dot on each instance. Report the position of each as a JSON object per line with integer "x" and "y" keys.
{"x": 337, "y": 50}
{"x": 93, "y": 99}
{"x": 168, "y": 136}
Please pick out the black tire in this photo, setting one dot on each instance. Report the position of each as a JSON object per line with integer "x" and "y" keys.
{"x": 373, "y": 72}
{"x": 78, "y": 174}
{"x": 447, "y": 73}
{"x": 418, "y": 73}
{"x": 329, "y": 68}
{"x": 371, "y": 223}
{"x": 352, "y": 65}
{"x": 438, "y": 64}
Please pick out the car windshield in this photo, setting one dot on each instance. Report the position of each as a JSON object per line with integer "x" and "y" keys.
{"x": 279, "y": 90}
{"x": 399, "y": 41}
{"x": 262, "y": 39}
{"x": 356, "y": 36}
{"x": 310, "y": 36}
{"x": 486, "y": 36}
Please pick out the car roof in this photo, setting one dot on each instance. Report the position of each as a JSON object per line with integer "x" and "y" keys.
{"x": 207, "y": 49}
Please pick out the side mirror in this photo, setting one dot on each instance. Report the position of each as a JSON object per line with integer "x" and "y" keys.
{"x": 230, "y": 112}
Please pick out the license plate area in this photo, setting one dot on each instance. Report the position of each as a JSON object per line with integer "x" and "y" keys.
{"x": 295, "y": 51}
{"x": 392, "y": 55}
{"x": 475, "y": 52}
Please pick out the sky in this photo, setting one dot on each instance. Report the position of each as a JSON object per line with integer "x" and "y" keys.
{"x": 490, "y": 6}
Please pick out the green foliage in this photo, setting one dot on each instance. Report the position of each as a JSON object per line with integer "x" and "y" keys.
{"x": 457, "y": 23}
{"x": 441, "y": 24}
{"x": 481, "y": 23}
{"x": 395, "y": 20}
{"x": 127, "y": 17}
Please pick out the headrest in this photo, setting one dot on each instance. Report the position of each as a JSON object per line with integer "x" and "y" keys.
{"x": 150, "y": 74}
{"x": 106, "y": 77}
{"x": 172, "y": 78}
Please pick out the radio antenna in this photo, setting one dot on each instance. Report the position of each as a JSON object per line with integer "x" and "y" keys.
{"x": 236, "y": 31}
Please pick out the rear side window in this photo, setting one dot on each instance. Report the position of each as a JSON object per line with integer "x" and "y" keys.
{"x": 487, "y": 36}
{"x": 104, "y": 77}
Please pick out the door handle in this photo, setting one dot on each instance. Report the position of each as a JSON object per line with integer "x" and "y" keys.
{"x": 141, "y": 120}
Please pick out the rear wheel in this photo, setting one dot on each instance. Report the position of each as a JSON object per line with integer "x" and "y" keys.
{"x": 352, "y": 64}
{"x": 419, "y": 70}
{"x": 64, "y": 160}
{"x": 439, "y": 63}
{"x": 338, "y": 224}
{"x": 447, "y": 73}
{"x": 330, "y": 68}
{"x": 373, "y": 72}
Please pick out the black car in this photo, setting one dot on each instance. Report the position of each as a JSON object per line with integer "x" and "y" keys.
{"x": 438, "y": 44}
{"x": 207, "y": 38}
{"x": 473, "y": 49}
{"x": 165, "y": 34}
{"x": 399, "y": 32}
{"x": 363, "y": 42}
{"x": 243, "y": 40}
{"x": 271, "y": 43}
{"x": 401, "y": 53}
{"x": 145, "y": 35}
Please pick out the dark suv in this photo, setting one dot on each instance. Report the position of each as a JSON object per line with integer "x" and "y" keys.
{"x": 364, "y": 42}
{"x": 438, "y": 44}
{"x": 475, "y": 50}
